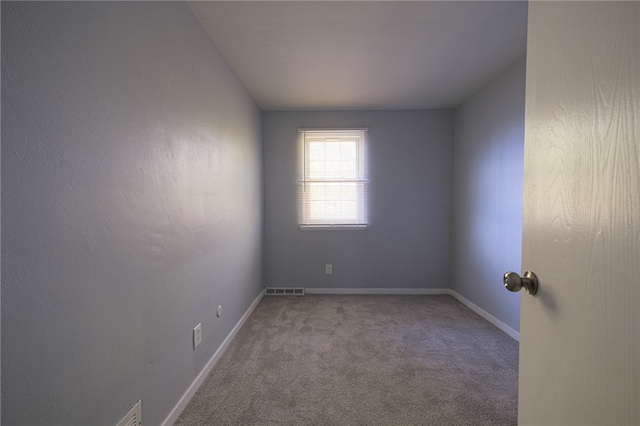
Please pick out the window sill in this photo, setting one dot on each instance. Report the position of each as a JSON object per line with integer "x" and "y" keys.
{"x": 333, "y": 227}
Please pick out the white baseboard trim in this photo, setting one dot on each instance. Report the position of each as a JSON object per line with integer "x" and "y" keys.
{"x": 486, "y": 315}
{"x": 182, "y": 403}
{"x": 390, "y": 291}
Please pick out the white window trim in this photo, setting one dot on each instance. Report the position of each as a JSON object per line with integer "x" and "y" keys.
{"x": 333, "y": 227}
{"x": 303, "y": 211}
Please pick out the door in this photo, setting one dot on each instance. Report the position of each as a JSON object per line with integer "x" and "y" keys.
{"x": 580, "y": 335}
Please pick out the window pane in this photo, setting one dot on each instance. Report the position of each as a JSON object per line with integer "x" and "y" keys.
{"x": 333, "y": 160}
{"x": 348, "y": 163}
{"x": 333, "y": 201}
{"x": 316, "y": 151}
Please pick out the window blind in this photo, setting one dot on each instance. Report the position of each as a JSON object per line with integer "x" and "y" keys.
{"x": 332, "y": 187}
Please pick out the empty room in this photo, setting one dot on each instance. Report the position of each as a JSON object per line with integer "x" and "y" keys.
{"x": 320, "y": 213}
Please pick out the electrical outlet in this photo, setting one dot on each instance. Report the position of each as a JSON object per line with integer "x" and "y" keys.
{"x": 219, "y": 311}
{"x": 328, "y": 269}
{"x": 197, "y": 335}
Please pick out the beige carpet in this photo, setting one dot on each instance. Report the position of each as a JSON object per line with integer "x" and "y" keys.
{"x": 361, "y": 360}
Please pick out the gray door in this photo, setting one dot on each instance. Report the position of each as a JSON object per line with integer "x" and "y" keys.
{"x": 580, "y": 336}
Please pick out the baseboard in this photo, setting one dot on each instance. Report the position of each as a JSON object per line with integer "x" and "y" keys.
{"x": 486, "y": 315}
{"x": 390, "y": 291}
{"x": 182, "y": 403}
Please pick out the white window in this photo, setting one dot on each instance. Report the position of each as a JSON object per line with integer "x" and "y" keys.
{"x": 332, "y": 188}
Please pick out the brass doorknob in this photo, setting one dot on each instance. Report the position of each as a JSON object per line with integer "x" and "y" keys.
{"x": 513, "y": 282}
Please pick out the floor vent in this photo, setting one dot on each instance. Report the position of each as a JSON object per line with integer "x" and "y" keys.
{"x": 133, "y": 417}
{"x": 284, "y": 291}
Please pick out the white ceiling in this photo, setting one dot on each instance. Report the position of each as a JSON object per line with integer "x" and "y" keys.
{"x": 365, "y": 55}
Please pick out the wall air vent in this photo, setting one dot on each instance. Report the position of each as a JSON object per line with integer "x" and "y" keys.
{"x": 284, "y": 291}
{"x": 133, "y": 417}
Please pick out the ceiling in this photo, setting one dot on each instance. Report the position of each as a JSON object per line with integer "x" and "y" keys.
{"x": 365, "y": 54}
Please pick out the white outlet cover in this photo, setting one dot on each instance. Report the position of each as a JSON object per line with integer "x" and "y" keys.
{"x": 219, "y": 311}
{"x": 197, "y": 335}
{"x": 328, "y": 269}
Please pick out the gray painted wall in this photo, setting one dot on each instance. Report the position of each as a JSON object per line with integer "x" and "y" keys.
{"x": 131, "y": 208}
{"x": 407, "y": 244}
{"x": 487, "y": 213}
